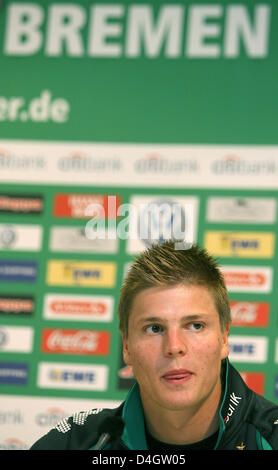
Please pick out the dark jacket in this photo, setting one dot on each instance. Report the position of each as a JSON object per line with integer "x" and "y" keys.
{"x": 247, "y": 422}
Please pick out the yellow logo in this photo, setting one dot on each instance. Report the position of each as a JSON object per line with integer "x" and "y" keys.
{"x": 241, "y": 447}
{"x": 81, "y": 273}
{"x": 240, "y": 244}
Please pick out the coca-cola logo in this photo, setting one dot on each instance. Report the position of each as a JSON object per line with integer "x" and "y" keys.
{"x": 249, "y": 313}
{"x": 75, "y": 341}
{"x": 244, "y": 312}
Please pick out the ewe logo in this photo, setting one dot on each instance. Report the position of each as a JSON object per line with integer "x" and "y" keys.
{"x": 241, "y": 244}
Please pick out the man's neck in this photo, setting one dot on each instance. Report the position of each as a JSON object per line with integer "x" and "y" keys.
{"x": 184, "y": 426}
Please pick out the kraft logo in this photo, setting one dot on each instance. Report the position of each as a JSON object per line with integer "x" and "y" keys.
{"x": 13, "y": 373}
{"x": 233, "y": 403}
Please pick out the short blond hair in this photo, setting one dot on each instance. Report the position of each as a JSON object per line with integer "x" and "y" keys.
{"x": 163, "y": 265}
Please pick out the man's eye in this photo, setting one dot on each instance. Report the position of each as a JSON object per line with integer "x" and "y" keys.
{"x": 196, "y": 326}
{"x": 153, "y": 329}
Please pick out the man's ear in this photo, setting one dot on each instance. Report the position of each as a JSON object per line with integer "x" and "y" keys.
{"x": 126, "y": 355}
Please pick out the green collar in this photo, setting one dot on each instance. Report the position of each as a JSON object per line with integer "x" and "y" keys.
{"x": 134, "y": 432}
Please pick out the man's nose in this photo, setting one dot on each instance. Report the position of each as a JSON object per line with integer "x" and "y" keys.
{"x": 174, "y": 343}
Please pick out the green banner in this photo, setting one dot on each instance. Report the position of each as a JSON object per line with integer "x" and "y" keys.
{"x": 197, "y": 72}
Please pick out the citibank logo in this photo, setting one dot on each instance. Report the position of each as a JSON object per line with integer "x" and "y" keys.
{"x": 155, "y": 163}
{"x": 235, "y": 165}
{"x": 50, "y": 418}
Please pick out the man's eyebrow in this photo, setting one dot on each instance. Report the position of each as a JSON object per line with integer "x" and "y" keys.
{"x": 150, "y": 319}
{"x": 192, "y": 317}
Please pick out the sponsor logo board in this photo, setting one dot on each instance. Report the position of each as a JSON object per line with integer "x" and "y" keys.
{"x": 157, "y": 218}
{"x": 20, "y": 237}
{"x": 211, "y": 166}
{"x": 248, "y": 348}
{"x": 85, "y": 342}
{"x": 81, "y": 273}
{"x": 72, "y": 376}
{"x": 18, "y": 271}
{"x": 13, "y": 373}
{"x": 258, "y": 210}
{"x": 74, "y": 239}
{"x": 16, "y": 305}
{"x": 240, "y": 244}
{"x": 20, "y": 204}
{"x": 78, "y": 307}
{"x": 249, "y": 313}
{"x": 83, "y": 206}
{"x": 16, "y": 339}
{"x": 248, "y": 278}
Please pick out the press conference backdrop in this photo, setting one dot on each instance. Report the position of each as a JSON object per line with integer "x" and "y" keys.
{"x": 115, "y": 103}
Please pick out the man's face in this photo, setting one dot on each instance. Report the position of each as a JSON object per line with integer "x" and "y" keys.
{"x": 175, "y": 346}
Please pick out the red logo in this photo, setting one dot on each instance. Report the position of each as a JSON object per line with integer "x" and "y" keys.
{"x": 89, "y": 342}
{"x": 249, "y": 313}
{"x": 77, "y": 307}
{"x": 244, "y": 279}
{"x": 85, "y": 206}
{"x": 254, "y": 380}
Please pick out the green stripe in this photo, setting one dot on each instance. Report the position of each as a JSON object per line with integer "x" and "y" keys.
{"x": 222, "y": 424}
{"x": 134, "y": 432}
{"x": 262, "y": 442}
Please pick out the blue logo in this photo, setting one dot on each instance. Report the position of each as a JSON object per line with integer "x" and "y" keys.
{"x": 161, "y": 220}
{"x": 13, "y": 373}
{"x": 18, "y": 271}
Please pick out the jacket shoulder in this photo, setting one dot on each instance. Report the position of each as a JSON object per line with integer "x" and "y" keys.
{"x": 77, "y": 432}
{"x": 263, "y": 414}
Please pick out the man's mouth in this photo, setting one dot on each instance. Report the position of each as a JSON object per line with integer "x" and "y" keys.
{"x": 177, "y": 376}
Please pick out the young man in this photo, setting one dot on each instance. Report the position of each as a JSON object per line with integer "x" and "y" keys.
{"x": 174, "y": 316}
